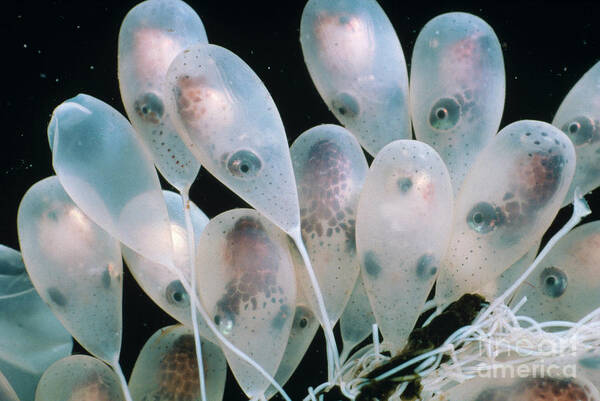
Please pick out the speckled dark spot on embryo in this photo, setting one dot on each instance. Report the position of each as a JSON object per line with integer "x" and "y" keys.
{"x": 178, "y": 372}
{"x": 541, "y": 178}
{"x": 322, "y": 190}
{"x": 255, "y": 260}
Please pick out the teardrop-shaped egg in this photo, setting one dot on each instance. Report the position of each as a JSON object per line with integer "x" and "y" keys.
{"x": 402, "y": 231}
{"x": 246, "y": 282}
{"x": 457, "y": 88}
{"x": 356, "y": 62}
{"x": 506, "y": 203}
{"x": 229, "y": 121}
{"x": 151, "y": 35}
{"x": 74, "y": 265}
{"x": 105, "y": 168}
{"x": 330, "y": 170}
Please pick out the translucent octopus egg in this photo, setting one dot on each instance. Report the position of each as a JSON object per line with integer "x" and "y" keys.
{"x": 457, "y": 89}
{"x": 246, "y": 282}
{"x": 106, "y": 170}
{"x": 229, "y": 121}
{"x": 151, "y": 35}
{"x": 402, "y": 231}
{"x": 75, "y": 266}
{"x": 356, "y": 62}
{"x": 510, "y": 197}
{"x": 330, "y": 170}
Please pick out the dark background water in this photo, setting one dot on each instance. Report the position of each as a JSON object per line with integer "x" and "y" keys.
{"x": 56, "y": 49}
